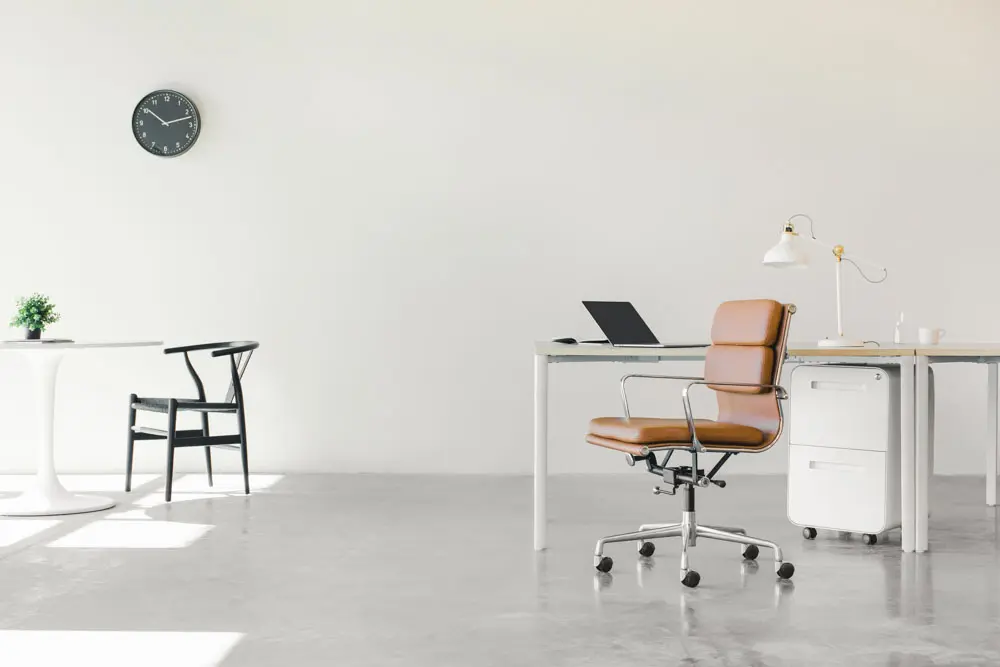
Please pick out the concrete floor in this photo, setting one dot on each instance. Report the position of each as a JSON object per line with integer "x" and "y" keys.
{"x": 382, "y": 570}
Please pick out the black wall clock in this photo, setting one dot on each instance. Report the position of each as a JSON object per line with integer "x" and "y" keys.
{"x": 166, "y": 123}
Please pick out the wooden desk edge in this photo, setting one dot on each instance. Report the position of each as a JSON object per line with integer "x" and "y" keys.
{"x": 551, "y": 349}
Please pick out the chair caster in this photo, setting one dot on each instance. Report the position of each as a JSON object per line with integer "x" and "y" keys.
{"x": 786, "y": 570}
{"x": 809, "y": 533}
{"x": 751, "y": 552}
{"x": 691, "y": 579}
{"x": 605, "y": 564}
{"x": 869, "y": 538}
{"x": 646, "y": 549}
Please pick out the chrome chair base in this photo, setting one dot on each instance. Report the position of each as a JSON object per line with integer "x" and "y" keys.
{"x": 689, "y": 531}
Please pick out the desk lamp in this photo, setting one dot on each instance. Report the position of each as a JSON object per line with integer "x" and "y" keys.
{"x": 790, "y": 253}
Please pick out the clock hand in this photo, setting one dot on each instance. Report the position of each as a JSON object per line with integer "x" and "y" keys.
{"x": 176, "y": 120}
{"x": 155, "y": 116}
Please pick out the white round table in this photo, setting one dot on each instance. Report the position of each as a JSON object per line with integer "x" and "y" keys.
{"x": 47, "y": 496}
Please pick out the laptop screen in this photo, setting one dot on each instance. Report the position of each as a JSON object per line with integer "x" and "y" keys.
{"x": 620, "y": 322}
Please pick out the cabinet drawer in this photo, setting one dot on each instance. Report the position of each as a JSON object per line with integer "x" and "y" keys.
{"x": 837, "y": 489}
{"x": 844, "y": 407}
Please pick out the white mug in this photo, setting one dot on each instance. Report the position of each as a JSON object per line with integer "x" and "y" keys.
{"x": 930, "y": 336}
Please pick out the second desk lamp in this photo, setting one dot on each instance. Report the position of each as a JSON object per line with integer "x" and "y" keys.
{"x": 790, "y": 252}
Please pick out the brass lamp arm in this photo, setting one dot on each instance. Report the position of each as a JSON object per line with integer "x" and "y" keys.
{"x": 838, "y": 250}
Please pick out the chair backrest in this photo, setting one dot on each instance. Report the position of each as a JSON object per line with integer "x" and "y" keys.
{"x": 239, "y": 353}
{"x": 749, "y": 340}
{"x": 239, "y": 361}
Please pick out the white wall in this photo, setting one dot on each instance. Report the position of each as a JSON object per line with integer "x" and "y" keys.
{"x": 396, "y": 198}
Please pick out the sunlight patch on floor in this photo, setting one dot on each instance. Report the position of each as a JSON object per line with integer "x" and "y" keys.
{"x": 132, "y": 534}
{"x": 226, "y": 483}
{"x": 90, "y": 648}
{"x": 156, "y": 499}
{"x": 77, "y": 483}
{"x": 130, "y": 515}
{"x": 195, "y": 487}
{"x": 13, "y": 530}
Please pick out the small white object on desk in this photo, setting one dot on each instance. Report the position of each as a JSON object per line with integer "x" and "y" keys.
{"x": 897, "y": 337}
{"x": 47, "y": 496}
{"x": 928, "y": 336}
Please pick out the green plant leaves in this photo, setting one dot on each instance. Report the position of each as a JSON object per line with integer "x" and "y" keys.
{"x": 34, "y": 312}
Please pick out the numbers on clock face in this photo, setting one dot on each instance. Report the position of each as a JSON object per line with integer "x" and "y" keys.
{"x": 166, "y": 123}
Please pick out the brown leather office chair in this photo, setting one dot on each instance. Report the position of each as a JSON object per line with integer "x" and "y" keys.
{"x": 743, "y": 367}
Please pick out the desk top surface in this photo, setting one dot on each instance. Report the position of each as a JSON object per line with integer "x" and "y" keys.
{"x": 811, "y": 350}
{"x": 551, "y": 349}
{"x": 948, "y": 349}
{"x": 24, "y": 345}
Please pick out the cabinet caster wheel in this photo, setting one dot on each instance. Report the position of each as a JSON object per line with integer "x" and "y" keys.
{"x": 646, "y": 549}
{"x": 869, "y": 538}
{"x": 809, "y": 533}
{"x": 691, "y": 579}
{"x": 605, "y": 564}
{"x": 751, "y": 552}
{"x": 786, "y": 570}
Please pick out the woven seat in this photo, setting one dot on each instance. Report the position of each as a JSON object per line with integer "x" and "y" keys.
{"x": 163, "y": 405}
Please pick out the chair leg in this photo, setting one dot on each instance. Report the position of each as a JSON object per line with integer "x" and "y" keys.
{"x": 208, "y": 464}
{"x": 730, "y": 529}
{"x": 131, "y": 443}
{"x": 654, "y": 526}
{"x": 243, "y": 450}
{"x": 208, "y": 450}
{"x": 688, "y": 532}
{"x": 782, "y": 569}
{"x": 171, "y": 430}
{"x": 637, "y": 536}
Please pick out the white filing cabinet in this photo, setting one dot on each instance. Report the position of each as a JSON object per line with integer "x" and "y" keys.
{"x": 843, "y": 449}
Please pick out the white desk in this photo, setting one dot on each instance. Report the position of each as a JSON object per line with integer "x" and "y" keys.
{"x": 914, "y": 458}
{"x": 47, "y": 496}
{"x": 980, "y": 353}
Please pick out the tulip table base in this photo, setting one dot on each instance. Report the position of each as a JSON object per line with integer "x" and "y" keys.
{"x": 51, "y": 501}
{"x": 46, "y": 496}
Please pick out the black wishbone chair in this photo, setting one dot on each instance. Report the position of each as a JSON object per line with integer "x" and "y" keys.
{"x": 239, "y": 353}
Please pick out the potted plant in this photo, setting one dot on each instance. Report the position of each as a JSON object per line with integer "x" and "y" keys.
{"x": 34, "y": 313}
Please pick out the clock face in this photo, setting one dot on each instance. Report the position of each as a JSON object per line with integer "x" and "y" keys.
{"x": 166, "y": 123}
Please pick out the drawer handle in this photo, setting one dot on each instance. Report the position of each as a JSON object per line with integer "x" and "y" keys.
{"x": 836, "y": 386}
{"x": 831, "y": 465}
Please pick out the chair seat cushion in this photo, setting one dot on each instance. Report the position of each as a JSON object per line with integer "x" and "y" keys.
{"x": 654, "y": 431}
{"x": 161, "y": 405}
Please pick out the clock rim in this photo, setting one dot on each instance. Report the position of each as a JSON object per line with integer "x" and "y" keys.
{"x": 194, "y": 108}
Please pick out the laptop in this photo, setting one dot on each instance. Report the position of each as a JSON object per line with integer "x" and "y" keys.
{"x": 624, "y": 327}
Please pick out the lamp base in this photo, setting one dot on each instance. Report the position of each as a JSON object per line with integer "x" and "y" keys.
{"x": 840, "y": 342}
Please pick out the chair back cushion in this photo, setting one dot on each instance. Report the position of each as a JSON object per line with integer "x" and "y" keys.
{"x": 748, "y": 345}
{"x": 743, "y": 337}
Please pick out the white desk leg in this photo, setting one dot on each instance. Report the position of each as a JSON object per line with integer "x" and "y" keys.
{"x": 991, "y": 436}
{"x": 541, "y": 448}
{"x": 922, "y": 470}
{"x": 906, "y": 455}
{"x": 47, "y": 496}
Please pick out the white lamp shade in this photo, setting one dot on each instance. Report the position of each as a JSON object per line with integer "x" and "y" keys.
{"x": 788, "y": 254}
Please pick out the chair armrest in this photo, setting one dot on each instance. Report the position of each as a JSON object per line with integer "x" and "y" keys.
{"x": 782, "y": 393}
{"x": 689, "y": 413}
{"x": 195, "y": 348}
{"x": 236, "y": 349}
{"x": 643, "y": 376}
